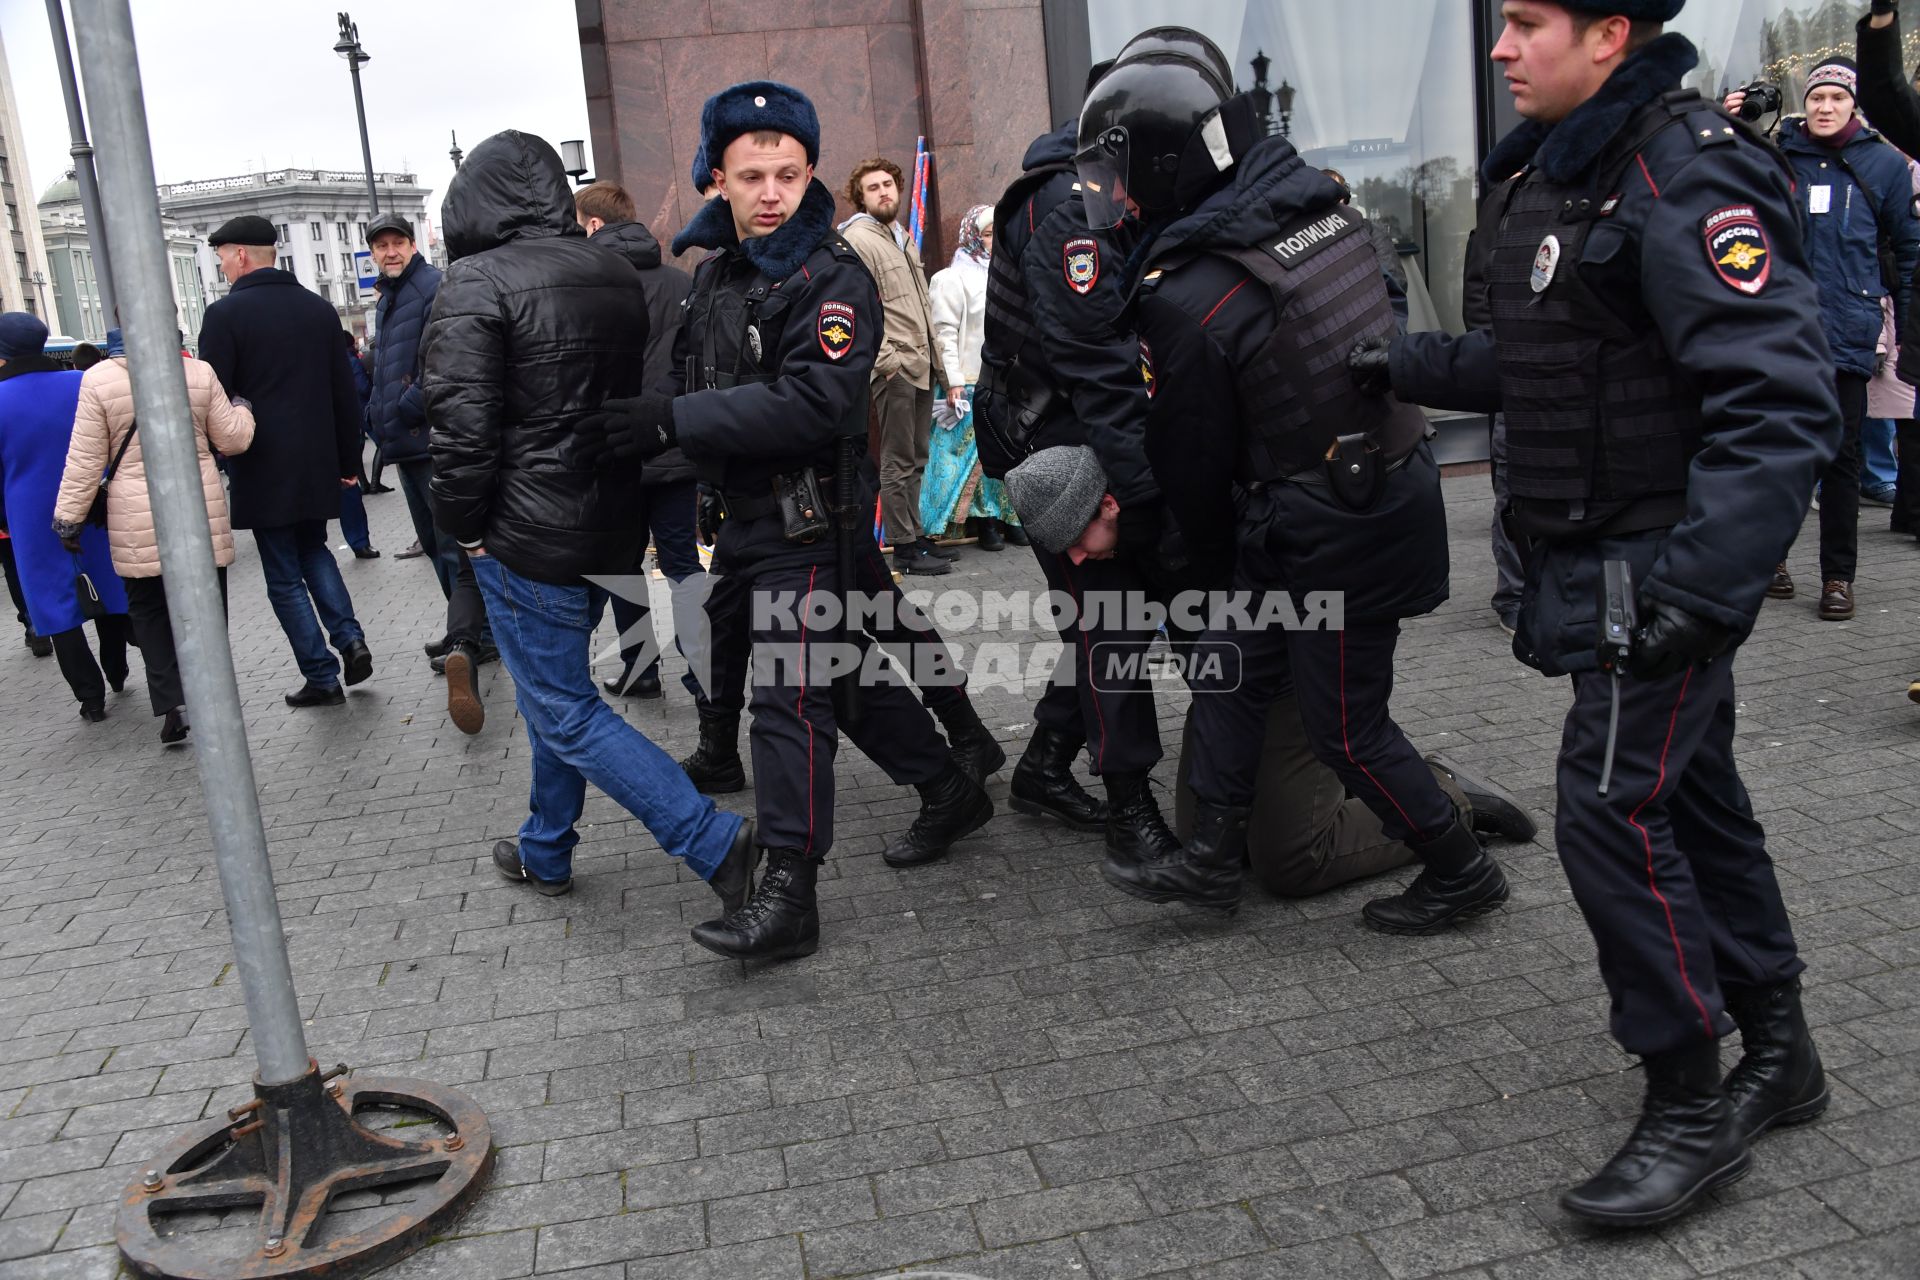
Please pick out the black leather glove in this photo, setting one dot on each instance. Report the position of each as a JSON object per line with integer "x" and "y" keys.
{"x": 1669, "y": 640}
{"x": 630, "y": 430}
{"x": 1370, "y": 365}
{"x": 71, "y": 541}
{"x": 1140, "y": 526}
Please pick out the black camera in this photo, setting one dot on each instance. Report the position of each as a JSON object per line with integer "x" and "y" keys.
{"x": 1762, "y": 99}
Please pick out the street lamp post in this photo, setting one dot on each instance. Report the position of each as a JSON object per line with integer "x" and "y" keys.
{"x": 573, "y": 160}
{"x": 1284, "y": 94}
{"x": 348, "y": 47}
{"x": 456, "y": 154}
{"x": 1262, "y": 93}
{"x": 82, "y": 152}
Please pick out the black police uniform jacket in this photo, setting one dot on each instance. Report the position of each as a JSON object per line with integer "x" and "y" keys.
{"x": 1656, "y": 346}
{"x": 532, "y": 330}
{"x": 772, "y": 367}
{"x": 1055, "y": 294}
{"x": 1202, "y": 322}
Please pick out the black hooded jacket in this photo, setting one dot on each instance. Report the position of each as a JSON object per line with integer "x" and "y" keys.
{"x": 532, "y": 330}
{"x": 667, "y": 289}
{"x": 1202, "y": 318}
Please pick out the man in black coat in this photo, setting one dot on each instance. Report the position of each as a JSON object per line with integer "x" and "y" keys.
{"x": 1656, "y": 346}
{"x": 397, "y": 414}
{"x": 277, "y": 345}
{"x": 772, "y": 372}
{"x": 531, "y": 331}
{"x": 667, "y": 486}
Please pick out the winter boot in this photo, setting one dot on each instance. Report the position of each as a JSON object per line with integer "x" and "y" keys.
{"x": 780, "y": 920}
{"x": 1043, "y": 782}
{"x": 1778, "y": 1080}
{"x": 714, "y": 768}
{"x": 1135, "y": 830}
{"x": 952, "y": 805}
{"x": 1494, "y": 810}
{"x": 1458, "y": 881}
{"x": 732, "y": 880}
{"x": 1687, "y": 1143}
{"x": 970, "y": 743}
{"x": 1210, "y": 872}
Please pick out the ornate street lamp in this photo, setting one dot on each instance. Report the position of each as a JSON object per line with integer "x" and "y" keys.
{"x": 1285, "y": 95}
{"x": 349, "y": 48}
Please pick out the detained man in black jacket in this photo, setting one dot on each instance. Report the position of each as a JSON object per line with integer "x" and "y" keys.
{"x": 772, "y": 373}
{"x": 1657, "y": 349}
{"x": 532, "y": 329}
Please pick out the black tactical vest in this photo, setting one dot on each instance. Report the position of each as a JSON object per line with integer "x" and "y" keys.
{"x": 1009, "y": 323}
{"x": 1296, "y": 396}
{"x": 736, "y": 320}
{"x": 1601, "y": 424}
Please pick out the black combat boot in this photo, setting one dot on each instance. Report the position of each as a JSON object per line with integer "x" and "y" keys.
{"x": 732, "y": 880}
{"x": 970, "y": 743}
{"x": 1135, "y": 830}
{"x": 951, "y": 806}
{"x": 1687, "y": 1143}
{"x": 1494, "y": 810}
{"x": 1043, "y": 782}
{"x": 1458, "y": 881}
{"x": 714, "y": 768}
{"x": 780, "y": 920}
{"x": 1778, "y": 1080}
{"x": 1210, "y": 872}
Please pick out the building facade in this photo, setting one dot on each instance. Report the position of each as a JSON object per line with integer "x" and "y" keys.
{"x": 1399, "y": 95}
{"x": 73, "y": 285}
{"x": 321, "y": 216}
{"x": 23, "y": 271}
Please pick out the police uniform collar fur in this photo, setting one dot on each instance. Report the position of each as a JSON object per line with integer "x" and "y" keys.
{"x": 1563, "y": 151}
{"x": 778, "y": 255}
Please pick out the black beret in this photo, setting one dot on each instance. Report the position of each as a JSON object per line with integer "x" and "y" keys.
{"x": 1644, "y": 10}
{"x": 248, "y": 228}
{"x": 749, "y": 108}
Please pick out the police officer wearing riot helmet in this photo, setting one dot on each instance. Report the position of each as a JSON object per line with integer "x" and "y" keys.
{"x": 1257, "y": 281}
{"x": 770, "y": 374}
{"x": 1656, "y": 347}
{"x": 1058, "y": 369}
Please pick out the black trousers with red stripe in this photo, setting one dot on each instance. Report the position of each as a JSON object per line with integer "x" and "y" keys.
{"x": 1670, "y": 867}
{"x": 1343, "y": 681}
{"x": 795, "y": 733}
{"x": 1099, "y": 692}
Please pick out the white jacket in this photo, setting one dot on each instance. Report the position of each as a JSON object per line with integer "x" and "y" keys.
{"x": 958, "y": 300}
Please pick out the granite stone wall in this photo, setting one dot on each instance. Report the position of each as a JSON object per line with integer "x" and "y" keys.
{"x": 969, "y": 74}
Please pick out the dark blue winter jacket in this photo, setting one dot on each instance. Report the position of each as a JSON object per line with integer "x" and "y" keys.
{"x": 1848, "y": 197}
{"x": 397, "y": 413}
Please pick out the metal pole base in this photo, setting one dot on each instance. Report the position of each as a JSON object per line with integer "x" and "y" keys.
{"x": 288, "y": 1153}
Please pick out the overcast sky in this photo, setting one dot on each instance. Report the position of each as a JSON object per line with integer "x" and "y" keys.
{"x": 238, "y": 86}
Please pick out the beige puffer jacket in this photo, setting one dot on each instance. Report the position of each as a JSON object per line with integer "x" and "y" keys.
{"x": 101, "y": 422}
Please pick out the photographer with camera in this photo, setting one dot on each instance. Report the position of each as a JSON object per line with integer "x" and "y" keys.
{"x": 1863, "y": 243}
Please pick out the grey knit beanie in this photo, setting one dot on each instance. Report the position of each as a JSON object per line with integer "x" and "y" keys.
{"x": 1057, "y": 492}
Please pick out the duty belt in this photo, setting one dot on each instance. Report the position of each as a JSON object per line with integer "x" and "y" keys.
{"x": 754, "y": 506}
{"x": 1317, "y": 473}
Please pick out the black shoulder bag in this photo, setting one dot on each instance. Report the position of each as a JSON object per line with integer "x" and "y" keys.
{"x": 97, "y": 513}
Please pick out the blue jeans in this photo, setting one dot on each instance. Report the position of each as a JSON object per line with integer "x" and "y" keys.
{"x": 545, "y": 636}
{"x": 301, "y": 575}
{"x": 353, "y": 518}
{"x": 1878, "y": 469}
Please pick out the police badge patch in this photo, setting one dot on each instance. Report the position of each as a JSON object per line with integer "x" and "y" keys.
{"x": 1081, "y": 262}
{"x": 836, "y": 329}
{"x": 1146, "y": 369}
{"x": 1737, "y": 248}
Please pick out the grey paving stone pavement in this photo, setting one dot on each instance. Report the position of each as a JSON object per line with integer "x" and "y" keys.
{"x": 995, "y": 1066}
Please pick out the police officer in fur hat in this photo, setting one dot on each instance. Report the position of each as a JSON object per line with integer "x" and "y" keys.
{"x": 770, "y": 374}
{"x": 1656, "y": 347}
{"x": 1257, "y": 282}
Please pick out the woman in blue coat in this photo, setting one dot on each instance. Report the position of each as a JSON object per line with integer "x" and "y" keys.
{"x": 37, "y": 400}
{"x": 1858, "y": 199}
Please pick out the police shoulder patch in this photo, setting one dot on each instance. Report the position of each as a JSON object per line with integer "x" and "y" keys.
{"x": 836, "y": 329}
{"x": 1080, "y": 262}
{"x": 1737, "y": 248}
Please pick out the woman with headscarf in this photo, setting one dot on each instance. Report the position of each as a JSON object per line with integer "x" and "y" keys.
{"x": 953, "y": 483}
